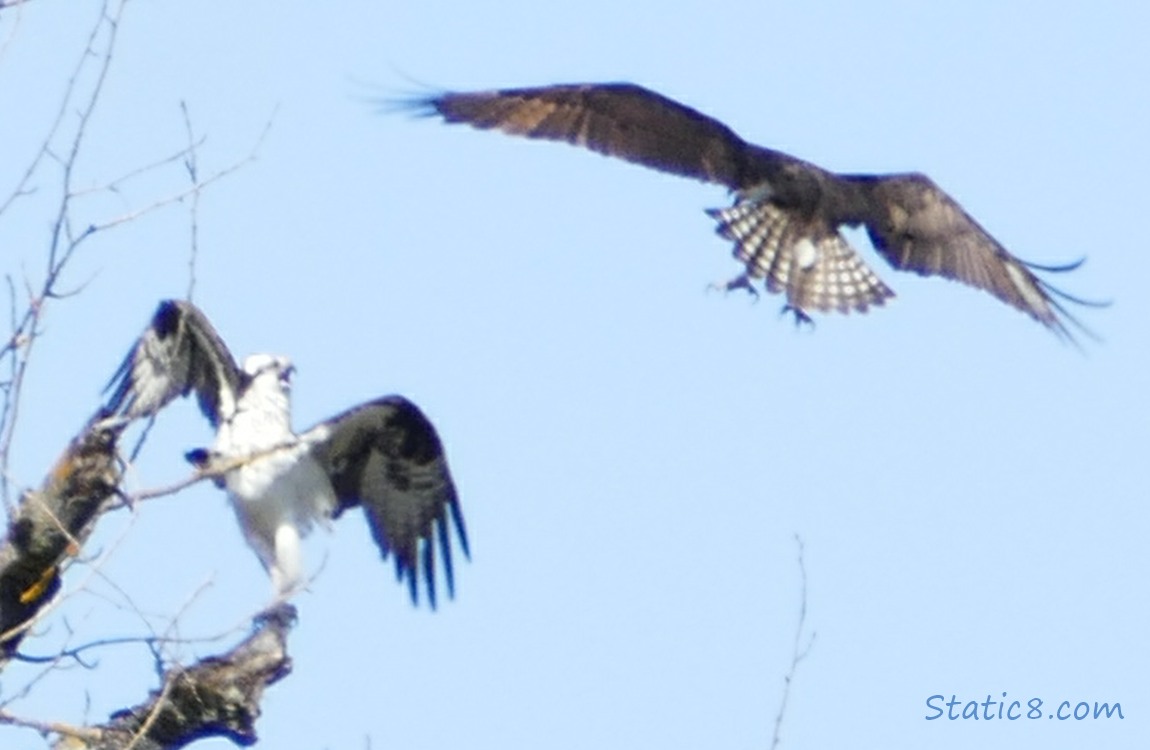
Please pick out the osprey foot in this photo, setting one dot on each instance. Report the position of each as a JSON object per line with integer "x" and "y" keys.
{"x": 203, "y": 459}
{"x": 801, "y": 317}
{"x": 278, "y": 613}
{"x": 742, "y": 281}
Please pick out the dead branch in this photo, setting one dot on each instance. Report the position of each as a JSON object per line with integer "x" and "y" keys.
{"x": 51, "y": 525}
{"x": 219, "y": 696}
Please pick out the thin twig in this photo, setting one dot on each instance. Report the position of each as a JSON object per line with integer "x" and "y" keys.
{"x": 216, "y": 469}
{"x": 13, "y": 29}
{"x": 65, "y": 239}
{"x": 45, "y": 151}
{"x": 50, "y": 727}
{"x": 115, "y": 185}
{"x": 799, "y": 651}
{"x": 173, "y": 198}
{"x": 26, "y": 331}
{"x": 192, "y": 165}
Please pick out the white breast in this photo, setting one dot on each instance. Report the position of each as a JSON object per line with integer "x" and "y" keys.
{"x": 280, "y": 492}
{"x": 277, "y": 500}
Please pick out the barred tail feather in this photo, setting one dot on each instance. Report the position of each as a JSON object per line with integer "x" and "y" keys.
{"x": 814, "y": 266}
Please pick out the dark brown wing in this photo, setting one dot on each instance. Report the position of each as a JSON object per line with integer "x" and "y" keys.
{"x": 386, "y": 456}
{"x": 911, "y": 221}
{"x": 617, "y": 119}
{"x": 178, "y": 353}
{"x": 918, "y": 227}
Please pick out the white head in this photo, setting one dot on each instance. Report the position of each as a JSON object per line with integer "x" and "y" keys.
{"x": 268, "y": 369}
{"x": 267, "y": 397}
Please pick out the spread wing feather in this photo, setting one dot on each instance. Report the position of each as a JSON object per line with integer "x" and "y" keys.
{"x": 178, "y": 353}
{"x": 616, "y": 119}
{"x": 912, "y": 223}
{"x": 918, "y": 227}
{"x": 386, "y": 456}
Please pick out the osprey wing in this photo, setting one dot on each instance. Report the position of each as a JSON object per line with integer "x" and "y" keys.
{"x": 386, "y": 456}
{"x": 622, "y": 120}
{"x": 918, "y": 227}
{"x": 179, "y": 352}
{"x": 788, "y": 212}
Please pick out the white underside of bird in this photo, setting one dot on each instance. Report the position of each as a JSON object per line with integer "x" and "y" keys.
{"x": 278, "y": 491}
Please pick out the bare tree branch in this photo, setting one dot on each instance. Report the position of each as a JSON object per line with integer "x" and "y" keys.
{"x": 51, "y": 525}
{"x": 49, "y": 727}
{"x": 65, "y": 237}
{"x": 12, "y": 31}
{"x": 217, "y": 697}
{"x": 48, "y": 527}
{"x": 25, "y": 331}
{"x": 215, "y": 469}
{"x": 799, "y": 652}
{"x": 192, "y": 165}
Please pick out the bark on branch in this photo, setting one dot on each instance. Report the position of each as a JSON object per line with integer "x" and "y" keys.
{"x": 218, "y": 696}
{"x": 52, "y": 524}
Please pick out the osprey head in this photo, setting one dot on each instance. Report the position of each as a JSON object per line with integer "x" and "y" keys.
{"x": 269, "y": 368}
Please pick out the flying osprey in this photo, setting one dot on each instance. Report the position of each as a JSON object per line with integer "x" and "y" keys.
{"x": 384, "y": 454}
{"x": 787, "y": 212}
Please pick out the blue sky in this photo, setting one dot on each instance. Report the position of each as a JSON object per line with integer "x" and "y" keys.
{"x": 635, "y": 454}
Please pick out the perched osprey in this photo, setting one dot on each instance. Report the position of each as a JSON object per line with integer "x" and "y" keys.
{"x": 384, "y": 455}
{"x": 787, "y": 212}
